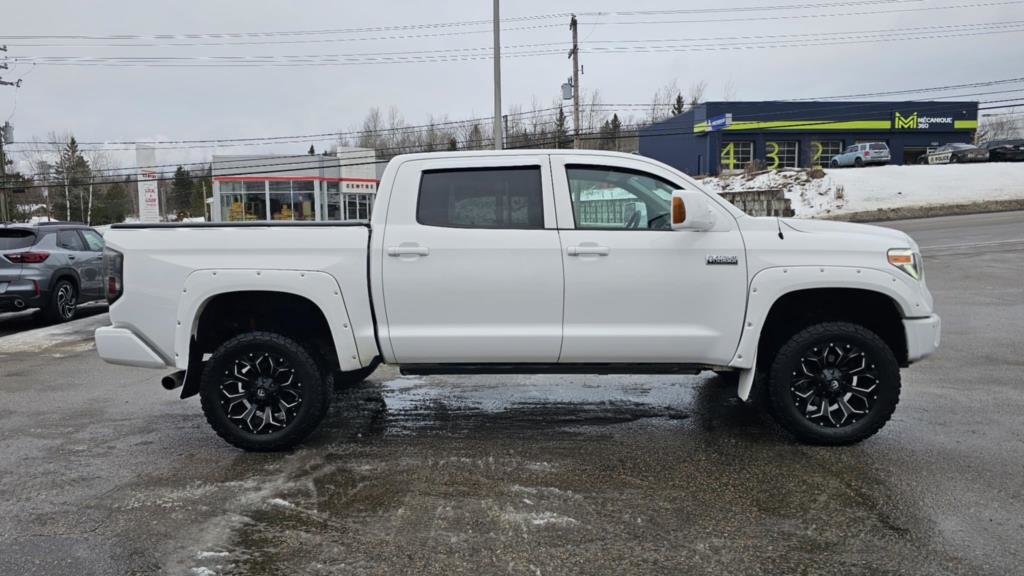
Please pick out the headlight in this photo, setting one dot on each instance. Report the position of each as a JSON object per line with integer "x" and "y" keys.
{"x": 907, "y": 260}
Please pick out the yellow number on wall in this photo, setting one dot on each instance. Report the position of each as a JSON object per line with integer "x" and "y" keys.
{"x": 729, "y": 155}
{"x": 773, "y": 155}
{"x": 816, "y": 146}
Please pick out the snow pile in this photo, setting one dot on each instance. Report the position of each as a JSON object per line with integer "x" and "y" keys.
{"x": 847, "y": 190}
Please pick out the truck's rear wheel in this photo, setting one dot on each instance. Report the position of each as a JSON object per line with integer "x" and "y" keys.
{"x": 834, "y": 383}
{"x": 262, "y": 391}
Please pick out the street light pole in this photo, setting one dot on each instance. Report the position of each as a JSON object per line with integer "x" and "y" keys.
{"x": 497, "y": 79}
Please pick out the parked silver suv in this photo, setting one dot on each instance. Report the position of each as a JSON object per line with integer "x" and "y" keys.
{"x": 53, "y": 266}
{"x": 862, "y": 154}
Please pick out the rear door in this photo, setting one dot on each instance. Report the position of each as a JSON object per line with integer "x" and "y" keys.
{"x": 71, "y": 252}
{"x": 90, "y": 265}
{"x": 472, "y": 267}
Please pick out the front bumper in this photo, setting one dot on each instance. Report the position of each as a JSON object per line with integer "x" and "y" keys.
{"x": 923, "y": 336}
{"x": 122, "y": 346}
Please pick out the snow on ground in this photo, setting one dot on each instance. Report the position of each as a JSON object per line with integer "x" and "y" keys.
{"x": 845, "y": 190}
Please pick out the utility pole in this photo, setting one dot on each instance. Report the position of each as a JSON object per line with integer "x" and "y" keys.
{"x": 575, "y": 55}
{"x": 498, "y": 135}
{"x": 5, "y": 131}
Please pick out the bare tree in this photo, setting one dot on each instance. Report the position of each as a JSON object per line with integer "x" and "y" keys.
{"x": 1005, "y": 126}
{"x": 697, "y": 90}
{"x": 662, "y": 102}
{"x": 729, "y": 90}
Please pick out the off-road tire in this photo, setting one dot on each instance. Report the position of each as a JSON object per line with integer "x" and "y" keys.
{"x": 56, "y": 310}
{"x": 858, "y": 162}
{"x": 788, "y": 414}
{"x": 315, "y": 392}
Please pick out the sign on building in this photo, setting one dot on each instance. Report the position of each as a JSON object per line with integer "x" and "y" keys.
{"x": 149, "y": 194}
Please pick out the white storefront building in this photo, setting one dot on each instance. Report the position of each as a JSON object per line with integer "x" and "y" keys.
{"x": 341, "y": 187}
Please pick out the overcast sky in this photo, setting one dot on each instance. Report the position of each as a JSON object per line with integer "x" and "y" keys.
{"x": 133, "y": 103}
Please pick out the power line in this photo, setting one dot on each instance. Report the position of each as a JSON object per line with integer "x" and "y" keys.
{"x": 480, "y": 53}
{"x": 423, "y": 26}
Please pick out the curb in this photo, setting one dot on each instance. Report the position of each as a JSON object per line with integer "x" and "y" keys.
{"x": 929, "y": 211}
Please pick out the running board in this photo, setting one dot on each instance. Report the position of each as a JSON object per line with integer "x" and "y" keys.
{"x": 531, "y": 368}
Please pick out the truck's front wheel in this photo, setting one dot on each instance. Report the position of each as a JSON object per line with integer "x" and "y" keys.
{"x": 262, "y": 391}
{"x": 834, "y": 383}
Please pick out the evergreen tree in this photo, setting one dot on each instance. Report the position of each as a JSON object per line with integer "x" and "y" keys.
{"x": 475, "y": 140}
{"x": 678, "y": 105}
{"x": 561, "y": 131}
{"x": 453, "y": 144}
{"x": 180, "y": 197}
{"x": 72, "y": 174}
{"x": 311, "y": 151}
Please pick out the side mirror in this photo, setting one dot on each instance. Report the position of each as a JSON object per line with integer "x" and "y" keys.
{"x": 691, "y": 211}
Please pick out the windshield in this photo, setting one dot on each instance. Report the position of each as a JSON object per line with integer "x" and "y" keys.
{"x": 15, "y": 238}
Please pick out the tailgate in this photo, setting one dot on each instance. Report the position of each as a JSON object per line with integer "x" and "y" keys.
{"x": 13, "y": 240}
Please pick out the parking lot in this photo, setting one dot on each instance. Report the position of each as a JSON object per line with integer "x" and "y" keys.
{"x": 104, "y": 472}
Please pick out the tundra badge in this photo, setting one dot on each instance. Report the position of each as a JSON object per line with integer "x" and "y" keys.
{"x": 717, "y": 259}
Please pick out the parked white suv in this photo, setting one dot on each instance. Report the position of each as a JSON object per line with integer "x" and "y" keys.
{"x": 540, "y": 261}
{"x": 861, "y": 155}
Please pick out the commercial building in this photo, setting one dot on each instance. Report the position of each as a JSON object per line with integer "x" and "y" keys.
{"x": 717, "y": 137}
{"x": 340, "y": 187}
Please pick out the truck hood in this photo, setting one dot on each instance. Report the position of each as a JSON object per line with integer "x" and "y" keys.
{"x": 848, "y": 228}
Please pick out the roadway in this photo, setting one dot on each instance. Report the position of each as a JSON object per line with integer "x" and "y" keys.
{"x": 103, "y": 472}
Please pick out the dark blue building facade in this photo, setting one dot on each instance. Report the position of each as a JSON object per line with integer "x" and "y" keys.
{"x": 719, "y": 137}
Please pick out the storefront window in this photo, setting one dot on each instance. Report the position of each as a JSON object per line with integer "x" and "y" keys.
{"x": 358, "y": 206}
{"x": 781, "y": 154}
{"x": 242, "y": 201}
{"x": 292, "y": 200}
{"x": 822, "y": 152}
{"x": 736, "y": 155}
{"x": 303, "y": 203}
{"x": 330, "y": 200}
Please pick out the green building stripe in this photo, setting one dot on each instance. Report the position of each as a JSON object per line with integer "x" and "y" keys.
{"x": 700, "y": 127}
{"x": 965, "y": 124}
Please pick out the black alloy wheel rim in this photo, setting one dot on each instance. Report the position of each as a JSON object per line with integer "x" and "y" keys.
{"x": 835, "y": 384}
{"x": 260, "y": 392}
{"x": 66, "y": 301}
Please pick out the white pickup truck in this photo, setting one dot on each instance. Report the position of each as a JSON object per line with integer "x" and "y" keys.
{"x": 538, "y": 261}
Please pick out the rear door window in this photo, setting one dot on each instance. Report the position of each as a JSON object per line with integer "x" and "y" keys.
{"x": 481, "y": 198}
{"x": 879, "y": 146}
{"x": 69, "y": 240}
{"x": 93, "y": 240}
{"x": 15, "y": 239}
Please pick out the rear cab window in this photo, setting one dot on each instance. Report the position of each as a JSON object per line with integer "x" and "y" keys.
{"x": 507, "y": 197}
{"x": 16, "y": 238}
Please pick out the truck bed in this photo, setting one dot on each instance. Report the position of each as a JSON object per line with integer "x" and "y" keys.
{"x": 159, "y": 260}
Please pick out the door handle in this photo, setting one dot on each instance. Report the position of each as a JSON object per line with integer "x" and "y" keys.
{"x": 71, "y": 257}
{"x": 585, "y": 250}
{"x": 408, "y": 251}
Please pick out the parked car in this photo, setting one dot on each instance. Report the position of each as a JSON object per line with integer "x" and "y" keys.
{"x": 54, "y": 266}
{"x": 861, "y": 155}
{"x": 522, "y": 262}
{"x": 954, "y": 153}
{"x": 1004, "y": 150}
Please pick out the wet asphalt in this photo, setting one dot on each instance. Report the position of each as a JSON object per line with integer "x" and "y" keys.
{"x": 103, "y": 472}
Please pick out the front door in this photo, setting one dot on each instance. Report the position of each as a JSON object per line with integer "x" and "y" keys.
{"x": 472, "y": 267}
{"x": 635, "y": 290}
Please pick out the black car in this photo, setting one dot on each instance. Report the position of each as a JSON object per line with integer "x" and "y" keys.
{"x": 53, "y": 266}
{"x": 1005, "y": 150}
{"x": 954, "y": 153}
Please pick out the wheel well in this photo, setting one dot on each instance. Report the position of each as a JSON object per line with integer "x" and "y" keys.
{"x": 797, "y": 310}
{"x": 65, "y": 275}
{"x": 227, "y": 315}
